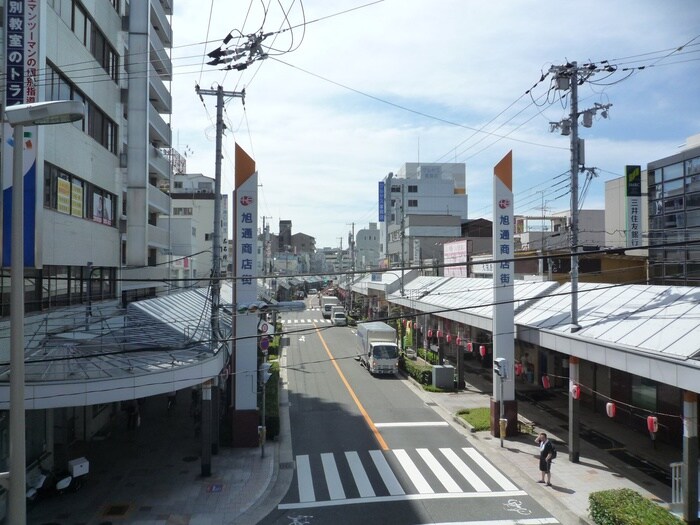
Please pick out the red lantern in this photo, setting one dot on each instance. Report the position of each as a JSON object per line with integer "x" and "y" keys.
{"x": 518, "y": 369}
{"x": 610, "y": 409}
{"x": 448, "y": 338}
{"x": 482, "y": 350}
{"x": 430, "y": 333}
{"x": 469, "y": 347}
{"x": 545, "y": 381}
{"x": 439, "y": 334}
{"x": 403, "y": 321}
{"x": 459, "y": 341}
{"x": 653, "y": 424}
{"x": 575, "y": 391}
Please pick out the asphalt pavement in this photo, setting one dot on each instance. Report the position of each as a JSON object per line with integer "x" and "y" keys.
{"x": 152, "y": 474}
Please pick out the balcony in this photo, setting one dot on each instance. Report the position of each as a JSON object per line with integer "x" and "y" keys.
{"x": 158, "y": 164}
{"x": 157, "y": 92}
{"x": 158, "y": 131}
{"x": 158, "y": 201}
{"x": 167, "y": 6}
{"x": 159, "y": 57}
{"x": 158, "y": 237}
{"x": 160, "y": 23}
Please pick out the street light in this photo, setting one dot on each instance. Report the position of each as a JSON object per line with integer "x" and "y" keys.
{"x": 18, "y": 116}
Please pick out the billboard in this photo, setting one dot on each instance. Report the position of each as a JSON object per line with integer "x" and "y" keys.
{"x": 22, "y": 63}
{"x": 633, "y": 187}
{"x": 453, "y": 253}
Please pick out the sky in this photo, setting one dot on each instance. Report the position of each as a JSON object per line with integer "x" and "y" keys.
{"x": 353, "y": 89}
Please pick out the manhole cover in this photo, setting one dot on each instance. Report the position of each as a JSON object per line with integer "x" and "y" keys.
{"x": 116, "y": 510}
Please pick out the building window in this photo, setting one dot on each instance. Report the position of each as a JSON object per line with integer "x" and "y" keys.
{"x": 66, "y": 193}
{"x": 208, "y": 236}
{"x": 412, "y": 189}
{"x": 182, "y": 211}
{"x": 412, "y": 203}
{"x": 395, "y": 188}
{"x": 96, "y": 122}
{"x": 178, "y": 185}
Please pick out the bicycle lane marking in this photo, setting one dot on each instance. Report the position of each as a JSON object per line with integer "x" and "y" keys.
{"x": 365, "y": 415}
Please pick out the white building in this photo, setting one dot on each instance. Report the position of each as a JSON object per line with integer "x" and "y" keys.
{"x": 367, "y": 247}
{"x": 192, "y": 221}
{"x": 420, "y": 189}
{"x": 101, "y": 178}
{"x": 97, "y": 191}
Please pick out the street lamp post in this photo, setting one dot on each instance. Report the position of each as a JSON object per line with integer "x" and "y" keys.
{"x": 38, "y": 114}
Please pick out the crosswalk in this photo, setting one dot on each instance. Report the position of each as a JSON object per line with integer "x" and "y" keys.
{"x": 304, "y": 321}
{"x": 401, "y": 474}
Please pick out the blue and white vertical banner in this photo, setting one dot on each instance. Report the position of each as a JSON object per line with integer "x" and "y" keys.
{"x": 633, "y": 187}
{"x": 381, "y": 201}
{"x": 503, "y": 272}
{"x": 22, "y": 65}
{"x": 245, "y": 229}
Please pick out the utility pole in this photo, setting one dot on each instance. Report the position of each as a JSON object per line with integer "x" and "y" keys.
{"x": 570, "y": 76}
{"x": 206, "y": 423}
{"x": 403, "y": 235}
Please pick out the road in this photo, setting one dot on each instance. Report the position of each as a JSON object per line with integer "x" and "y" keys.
{"x": 369, "y": 450}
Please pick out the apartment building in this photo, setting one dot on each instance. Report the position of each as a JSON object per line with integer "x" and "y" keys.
{"x": 97, "y": 189}
{"x": 192, "y": 222}
{"x": 437, "y": 189}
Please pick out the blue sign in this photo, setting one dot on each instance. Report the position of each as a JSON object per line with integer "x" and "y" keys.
{"x": 381, "y": 201}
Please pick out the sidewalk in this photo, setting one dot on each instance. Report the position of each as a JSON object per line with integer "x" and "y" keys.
{"x": 572, "y": 483}
{"x": 152, "y": 475}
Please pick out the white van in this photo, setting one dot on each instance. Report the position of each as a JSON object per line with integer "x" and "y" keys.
{"x": 339, "y": 318}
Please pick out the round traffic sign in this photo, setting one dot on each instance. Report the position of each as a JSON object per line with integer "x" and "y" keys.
{"x": 264, "y": 342}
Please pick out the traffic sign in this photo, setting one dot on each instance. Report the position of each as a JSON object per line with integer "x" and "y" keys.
{"x": 264, "y": 343}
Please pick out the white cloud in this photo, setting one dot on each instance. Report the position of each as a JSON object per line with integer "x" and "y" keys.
{"x": 320, "y": 148}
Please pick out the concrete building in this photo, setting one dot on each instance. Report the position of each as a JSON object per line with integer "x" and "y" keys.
{"x": 437, "y": 189}
{"x": 367, "y": 247}
{"x": 551, "y": 232}
{"x": 674, "y": 216}
{"x": 103, "y": 178}
{"x": 193, "y": 201}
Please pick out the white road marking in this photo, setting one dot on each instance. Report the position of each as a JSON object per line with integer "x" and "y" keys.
{"x": 527, "y": 521}
{"x": 413, "y": 424}
{"x": 392, "y": 484}
{"x": 330, "y": 470}
{"x": 306, "y": 485}
{"x": 439, "y": 471}
{"x": 490, "y": 469}
{"x": 414, "y": 474}
{"x": 358, "y": 473}
{"x": 415, "y": 497}
{"x": 465, "y": 471}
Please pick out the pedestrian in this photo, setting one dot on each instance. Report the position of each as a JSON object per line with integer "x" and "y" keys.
{"x": 546, "y": 453}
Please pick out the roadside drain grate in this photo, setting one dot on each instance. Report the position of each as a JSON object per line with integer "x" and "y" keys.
{"x": 287, "y": 465}
{"x": 431, "y": 403}
{"x": 116, "y": 510}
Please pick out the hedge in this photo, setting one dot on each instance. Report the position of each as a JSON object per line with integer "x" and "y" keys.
{"x": 421, "y": 373}
{"x": 627, "y": 507}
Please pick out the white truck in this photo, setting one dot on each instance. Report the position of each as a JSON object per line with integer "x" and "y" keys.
{"x": 377, "y": 347}
{"x": 327, "y": 304}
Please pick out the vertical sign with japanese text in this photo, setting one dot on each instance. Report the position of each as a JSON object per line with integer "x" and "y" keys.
{"x": 503, "y": 274}
{"x": 381, "y": 201}
{"x": 245, "y": 230}
{"x": 22, "y": 64}
{"x": 633, "y": 187}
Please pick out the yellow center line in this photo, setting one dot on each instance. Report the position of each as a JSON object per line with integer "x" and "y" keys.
{"x": 368, "y": 420}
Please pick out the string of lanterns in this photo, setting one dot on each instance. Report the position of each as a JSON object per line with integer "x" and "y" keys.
{"x": 574, "y": 388}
